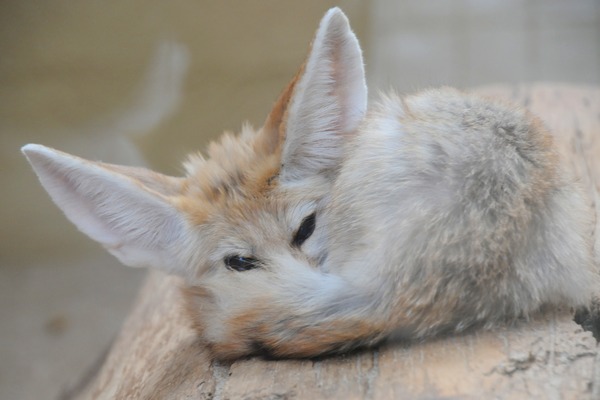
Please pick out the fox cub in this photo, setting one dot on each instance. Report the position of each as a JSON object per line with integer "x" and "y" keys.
{"x": 338, "y": 225}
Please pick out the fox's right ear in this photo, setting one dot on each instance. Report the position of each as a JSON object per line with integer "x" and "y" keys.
{"x": 125, "y": 209}
{"x": 323, "y": 105}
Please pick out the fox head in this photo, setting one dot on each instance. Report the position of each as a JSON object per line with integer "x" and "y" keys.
{"x": 244, "y": 227}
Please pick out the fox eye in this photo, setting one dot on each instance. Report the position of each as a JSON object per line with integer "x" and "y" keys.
{"x": 239, "y": 263}
{"x": 307, "y": 227}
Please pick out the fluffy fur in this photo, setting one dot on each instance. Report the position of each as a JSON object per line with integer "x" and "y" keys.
{"x": 434, "y": 213}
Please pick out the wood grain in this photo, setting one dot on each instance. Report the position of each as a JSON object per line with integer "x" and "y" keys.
{"x": 157, "y": 355}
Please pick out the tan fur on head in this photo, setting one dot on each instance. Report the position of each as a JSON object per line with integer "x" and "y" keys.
{"x": 243, "y": 166}
{"x": 334, "y": 227}
{"x": 236, "y": 169}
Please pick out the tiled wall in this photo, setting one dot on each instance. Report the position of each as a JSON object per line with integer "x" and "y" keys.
{"x": 415, "y": 44}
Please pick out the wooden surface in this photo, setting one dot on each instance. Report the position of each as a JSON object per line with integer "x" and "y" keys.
{"x": 157, "y": 354}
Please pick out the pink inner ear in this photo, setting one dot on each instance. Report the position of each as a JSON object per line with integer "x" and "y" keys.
{"x": 328, "y": 103}
{"x": 58, "y": 175}
{"x": 134, "y": 223}
{"x": 64, "y": 192}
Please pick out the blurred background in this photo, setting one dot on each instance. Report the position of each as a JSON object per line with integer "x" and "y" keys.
{"x": 144, "y": 83}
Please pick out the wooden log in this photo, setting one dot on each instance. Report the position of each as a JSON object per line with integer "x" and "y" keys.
{"x": 158, "y": 356}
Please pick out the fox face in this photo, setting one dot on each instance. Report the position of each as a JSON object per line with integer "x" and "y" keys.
{"x": 244, "y": 227}
{"x": 257, "y": 239}
{"x": 331, "y": 227}
{"x": 243, "y": 210}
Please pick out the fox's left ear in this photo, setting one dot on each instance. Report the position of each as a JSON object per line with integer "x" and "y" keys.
{"x": 127, "y": 210}
{"x": 324, "y": 104}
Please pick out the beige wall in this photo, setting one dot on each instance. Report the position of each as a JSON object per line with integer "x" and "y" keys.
{"x": 73, "y": 72}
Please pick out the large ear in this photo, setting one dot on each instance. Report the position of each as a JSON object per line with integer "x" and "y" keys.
{"x": 328, "y": 102}
{"x": 125, "y": 209}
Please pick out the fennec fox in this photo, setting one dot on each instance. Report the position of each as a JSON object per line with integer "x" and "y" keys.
{"x": 336, "y": 225}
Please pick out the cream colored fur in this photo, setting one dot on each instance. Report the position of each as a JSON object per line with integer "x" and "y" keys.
{"x": 433, "y": 213}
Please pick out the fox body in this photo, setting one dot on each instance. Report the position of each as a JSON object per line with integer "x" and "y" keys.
{"x": 338, "y": 225}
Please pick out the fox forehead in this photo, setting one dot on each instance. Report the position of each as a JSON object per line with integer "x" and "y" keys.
{"x": 237, "y": 175}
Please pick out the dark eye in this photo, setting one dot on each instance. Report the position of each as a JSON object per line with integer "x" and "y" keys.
{"x": 239, "y": 263}
{"x": 307, "y": 227}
